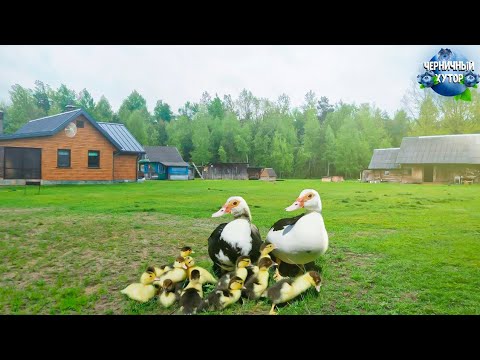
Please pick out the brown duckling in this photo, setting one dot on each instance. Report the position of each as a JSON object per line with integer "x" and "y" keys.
{"x": 191, "y": 297}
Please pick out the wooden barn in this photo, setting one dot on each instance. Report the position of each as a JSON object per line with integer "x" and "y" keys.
{"x": 383, "y": 166}
{"x": 225, "y": 171}
{"x": 440, "y": 158}
{"x": 254, "y": 172}
{"x": 70, "y": 147}
{"x": 164, "y": 163}
{"x": 268, "y": 174}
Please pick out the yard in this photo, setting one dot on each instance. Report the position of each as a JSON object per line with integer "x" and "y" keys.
{"x": 394, "y": 249}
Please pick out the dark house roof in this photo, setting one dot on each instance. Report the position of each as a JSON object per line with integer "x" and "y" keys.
{"x": 122, "y": 136}
{"x": 270, "y": 172}
{"x": 384, "y": 159}
{"x": 122, "y": 139}
{"x": 441, "y": 149}
{"x": 166, "y": 155}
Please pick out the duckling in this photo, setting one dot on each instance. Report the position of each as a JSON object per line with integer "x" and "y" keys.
{"x": 240, "y": 271}
{"x": 191, "y": 297}
{"x": 159, "y": 271}
{"x": 177, "y": 274}
{"x": 145, "y": 290}
{"x": 169, "y": 293}
{"x": 220, "y": 299}
{"x": 205, "y": 276}
{"x": 288, "y": 288}
{"x": 186, "y": 251}
{"x": 256, "y": 285}
{"x": 265, "y": 251}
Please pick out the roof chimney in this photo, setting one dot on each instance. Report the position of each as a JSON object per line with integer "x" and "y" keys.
{"x": 70, "y": 108}
{"x": 1, "y": 122}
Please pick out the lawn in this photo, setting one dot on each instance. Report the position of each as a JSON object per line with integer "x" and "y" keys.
{"x": 394, "y": 249}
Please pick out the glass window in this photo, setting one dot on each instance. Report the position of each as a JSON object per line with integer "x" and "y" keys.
{"x": 80, "y": 124}
{"x": 407, "y": 171}
{"x": 63, "y": 158}
{"x": 93, "y": 158}
{"x": 387, "y": 172}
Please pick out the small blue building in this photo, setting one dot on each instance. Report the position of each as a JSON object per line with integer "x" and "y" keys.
{"x": 163, "y": 163}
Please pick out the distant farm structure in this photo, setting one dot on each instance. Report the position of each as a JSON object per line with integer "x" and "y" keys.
{"x": 424, "y": 159}
{"x": 237, "y": 171}
{"x": 164, "y": 163}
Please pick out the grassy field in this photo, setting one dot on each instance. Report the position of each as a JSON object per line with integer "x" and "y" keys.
{"x": 394, "y": 249}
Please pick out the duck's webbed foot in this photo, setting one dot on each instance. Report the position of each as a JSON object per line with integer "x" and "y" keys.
{"x": 272, "y": 310}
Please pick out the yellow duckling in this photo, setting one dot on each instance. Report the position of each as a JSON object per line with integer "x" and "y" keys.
{"x": 205, "y": 276}
{"x": 220, "y": 299}
{"x": 265, "y": 250}
{"x": 145, "y": 290}
{"x": 177, "y": 274}
{"x": 240, "y": 271}
{"x": 169, "y": 293}
{"x": 256, "y": 285}
{"x": 288, "y": 288}
{"x": 191, "y": 297}
{"x": 159, "y": 271}
{"x": 186, "y": 251}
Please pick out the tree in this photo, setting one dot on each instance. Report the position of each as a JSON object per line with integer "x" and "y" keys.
{"x": 23, "y": 108}
{"x": 282, "y": 156}
{"x": 310, "y": 100}
{"x": 162, "y": 111}
{"x": 133, "y": 102}
{"x": 201, "y": 139}
{"x": 311, "y": 141}
{"x": 103, "y": 111}
{"x": 248, "y": 106}
{"x": 179, "y": 133}
{"x": 330, "y": 148}
{"x": 352, "y": 153}
{"x": 323, "y": 108}
{"x": 398, "y": 127}
{"x": 85, "y": 100}
{"x": 41, "y": 95}
{"x": 215, "y": 108}
{"x": 189, "y": 109}
{"x": 222, "y": 154}
{"x": 427, "y": 122}
{"x": 61, "y": 98}
{"x": 137, "y": 125}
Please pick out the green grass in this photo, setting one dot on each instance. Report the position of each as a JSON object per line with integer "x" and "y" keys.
{"x": 394, "y": 249}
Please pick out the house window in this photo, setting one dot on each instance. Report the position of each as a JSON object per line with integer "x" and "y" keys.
{"x": 93, "y": 158}
{"x": 63, "y": 158}
{"x": 387, "y": 172}
{"x": 407, "y": 171}
{"x": 80, "y": 124}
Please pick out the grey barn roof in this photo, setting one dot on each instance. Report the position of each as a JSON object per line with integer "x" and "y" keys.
{"x": 117, "y": 134}
{"x": 384, "y": 159}
{"x": 166, "y": 155}
{"x": 122, "y": 136}
{"x": 441, "y": 149}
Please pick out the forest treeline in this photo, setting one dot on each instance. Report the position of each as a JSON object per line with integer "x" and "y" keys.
{"x": 316, "y": 139}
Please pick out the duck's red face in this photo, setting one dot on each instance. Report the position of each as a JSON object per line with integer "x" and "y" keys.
{"x": 301, "y": 200}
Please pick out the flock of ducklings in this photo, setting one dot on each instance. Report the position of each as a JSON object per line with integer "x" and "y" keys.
{"x": 169, "y": 283}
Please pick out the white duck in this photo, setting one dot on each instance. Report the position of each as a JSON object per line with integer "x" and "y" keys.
{"x": 301, "y": 239}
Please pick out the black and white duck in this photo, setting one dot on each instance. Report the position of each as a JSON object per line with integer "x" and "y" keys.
{"x": 239, "y": 237}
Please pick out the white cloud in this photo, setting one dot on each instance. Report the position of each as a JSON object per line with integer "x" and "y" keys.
{"x": 176, "y": 74}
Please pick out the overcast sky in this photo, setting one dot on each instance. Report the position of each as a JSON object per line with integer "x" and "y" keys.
{"x": 175, "y": 74}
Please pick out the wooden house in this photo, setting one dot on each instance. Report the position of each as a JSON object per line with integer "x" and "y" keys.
{"x": 70, "y": 147}
{"x": 440, "y": 158}
{"x": 164, "y": 163}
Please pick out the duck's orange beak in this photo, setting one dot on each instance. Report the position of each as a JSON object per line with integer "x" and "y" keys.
{"x": 226, "y": 209}
{"x": 296, "y": 205}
